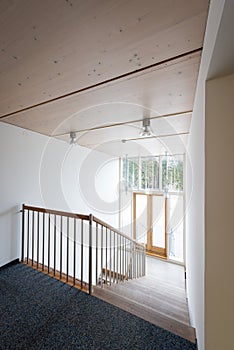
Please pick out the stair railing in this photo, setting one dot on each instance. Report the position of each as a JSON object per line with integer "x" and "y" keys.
{"x": 78, "y": 249}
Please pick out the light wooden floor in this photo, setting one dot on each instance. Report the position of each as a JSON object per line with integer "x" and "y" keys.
{"x": 159, "y": 297}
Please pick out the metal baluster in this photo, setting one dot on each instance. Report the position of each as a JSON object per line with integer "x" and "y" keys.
{"x": 141, "y": 262}
{"x": 43, "y": 242}
{"x": 130, "y": 261}
{"x": 49, "y": 244}
{"x": 123, "y": 252}
{"x": 117, "y": 259}
{"x": 22, "y": 252}
{"x": 101, "y": 256}
{"x": 61, "y": 247}
{"x": 67, "y": 249}
{"x": 120, "y": 257}
{"x": 123, "y": 258}
{"x": 96, "y": 253}
{"x": 114, "y": 272}
{"x": 33, "y": 238}
{"x": 110, "y": 257}
{"x": 134, "y": 262}
{"x": 54, "y": 245}
{"x": 74, "y": 255}
{"x": 90, "y": 252}
{"x": 106, "y": 257}
{"x": 138, "y": 262}
{"x": 130, "y": 258}
{"x": 82, "y": 253}
{"x": 125, "y": 247}
{"x": 38, "y": 240}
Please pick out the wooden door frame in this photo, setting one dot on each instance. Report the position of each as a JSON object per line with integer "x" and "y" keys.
{"x": 161, "y": 252}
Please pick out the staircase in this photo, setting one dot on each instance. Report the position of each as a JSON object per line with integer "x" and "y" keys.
{"x": 79, "y": 249}
{"x": 159, "y": 297}
{"x": 87, "y": 253}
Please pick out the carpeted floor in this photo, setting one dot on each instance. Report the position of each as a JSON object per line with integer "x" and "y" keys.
{"x": 39, "y": 312}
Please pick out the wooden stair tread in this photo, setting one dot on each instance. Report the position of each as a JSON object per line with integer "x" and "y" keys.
{"x": 171, "y": 308}
{"x": 160, "y": 288}
{"x": 146, "y": 313}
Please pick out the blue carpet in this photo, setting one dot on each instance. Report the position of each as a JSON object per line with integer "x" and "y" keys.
{"x": 40, "y": 312}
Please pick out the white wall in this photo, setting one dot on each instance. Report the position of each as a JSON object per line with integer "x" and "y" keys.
{"x": 195, "y": 186}
{"x": 40, "y": 171}
{"x": 219, "y": 208}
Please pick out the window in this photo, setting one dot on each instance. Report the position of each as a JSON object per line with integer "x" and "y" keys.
{"x": 172, "y": 173}
{"x": 153, "y": 173}
{"x": 149, "y": 173}
{"x": 131, "y": 172}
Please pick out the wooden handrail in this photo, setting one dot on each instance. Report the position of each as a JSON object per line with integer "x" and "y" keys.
{"x": 103, "y": 223}
{"x": 57, "y": 212}
{"x": 82, "y": 217}
{"x": 48, "y": 236}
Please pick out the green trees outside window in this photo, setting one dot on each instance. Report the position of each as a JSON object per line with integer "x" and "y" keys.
{"x": 153, "y": 173}
{"x": 149, "y": 173}
{"x": 172, "y": 173}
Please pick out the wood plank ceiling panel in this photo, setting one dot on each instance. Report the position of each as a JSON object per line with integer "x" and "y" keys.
{"x": 52, "y": 48}
{"x": 169, "y": 89}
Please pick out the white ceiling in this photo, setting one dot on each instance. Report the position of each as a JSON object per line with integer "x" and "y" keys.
{"x": 99, "y": 67}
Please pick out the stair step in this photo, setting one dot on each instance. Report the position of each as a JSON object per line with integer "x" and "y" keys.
{"x": 110, "y": 274}
{"x": 146, "y": 313}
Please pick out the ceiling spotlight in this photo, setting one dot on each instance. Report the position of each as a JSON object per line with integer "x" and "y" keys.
{"x": 72, "y": 137}
{"x": 146, "y": 131}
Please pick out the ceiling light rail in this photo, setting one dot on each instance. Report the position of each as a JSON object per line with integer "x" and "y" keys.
{"x": 154, "y": 137}
{"x": 126, "y": 122}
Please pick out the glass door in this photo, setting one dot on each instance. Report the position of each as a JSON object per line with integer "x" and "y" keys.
{"x": 150, "y": 222}
{"x": 140, "y": 217}
{"x": 158, "y": 226}
{"x": 176, "y": 228}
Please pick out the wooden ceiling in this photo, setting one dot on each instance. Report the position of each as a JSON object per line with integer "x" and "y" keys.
{"x": 98, "y": 67}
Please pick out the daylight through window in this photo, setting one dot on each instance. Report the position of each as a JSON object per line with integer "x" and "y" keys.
{"x": 153, "y": 173}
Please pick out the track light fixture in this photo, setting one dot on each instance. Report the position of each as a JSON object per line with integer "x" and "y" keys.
{"x": 146, "y": 131}
{"x": 72, "y": 137}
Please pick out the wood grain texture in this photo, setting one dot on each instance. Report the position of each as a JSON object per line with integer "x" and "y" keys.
{"x": 82, "y": 43}
{"x": 159, "y": 297}
{"x": 54, "y": 48}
